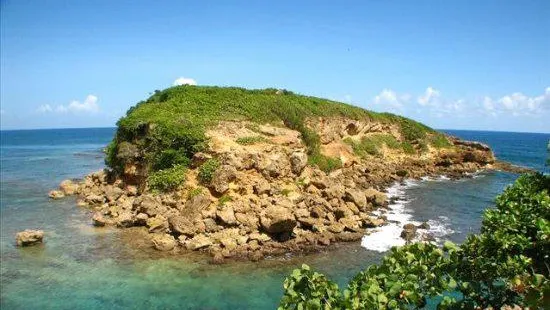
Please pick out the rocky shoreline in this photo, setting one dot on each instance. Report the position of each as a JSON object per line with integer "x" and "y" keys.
{"x": 264, "y": 199}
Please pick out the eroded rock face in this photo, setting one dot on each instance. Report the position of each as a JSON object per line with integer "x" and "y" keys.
{"x": 29, "y": 237}
{"x": 265, "y": 199}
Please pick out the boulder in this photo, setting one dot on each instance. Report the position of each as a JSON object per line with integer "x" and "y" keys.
{"x": 278, "y": 219}
{"x": 198, "y": 242}
{"x": 247, "y": 219}
{"x": 29, "y": 237}
{"x": 298, "y": 161}
{"x": 210, "y": 225}
{"x": 163, "y": 242}
{"x": 261, "y": 187}
{"x": 376, "y": 198}
{"x": 409, "y": 232}
{"x": 55, "y": 194}
{"x": 278, "y": 165}
{"x": 125, "y": 219}
{"x": 222, "y": 177}
{"x": 157, "y": 224}
{"x": 94, "y": 199}
{"x": 357, "y": 197}
{"x": 227, "y": 216}
{"x": 197, "y": 203}
{"x": 150, "y": 206}
{"x": 181, "y": 225}
{"x": 141, "y": 219}
{"x": 98, "y": 219}
{"x": 68, "y": 187}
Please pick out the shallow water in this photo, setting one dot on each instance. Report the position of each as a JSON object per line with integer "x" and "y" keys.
{"x": 88, "y": 268}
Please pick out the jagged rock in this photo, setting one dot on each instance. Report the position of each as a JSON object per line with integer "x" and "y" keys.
{"x": 198, "y": 242}
{"x": 334, "y": 191}
{"x": 260, "y": 237}
{"x": 98, "y": 219}
{"x": 141, "y": 219}
{"x": 182, "y": 225}
{"x": 377, "y": 198}
{"x": 199, "y": 158}
{"x": 278, "y": 166}
{"x": 342, "y": 212}
{"x": 409, "y": 232}
{"x": 356, "y": 197}
{"x": 277, "y": 219}
{"x": 55, "y": 194}
{"x": 131, "y": 190}
{"x": 218, "y": 258}
{"x": 112, "y": 193}
{"x": 298, "y": 161}
{"x": 29, "y": 237}
{"x": 163, "y": 242}
{"x": 197, "y": 203}
{"x": 150, "y": 206}
{"x": 68, "y": 187}
{"x": 222, "y": 177}
{"x": 125, "y": 219}
{"x": 94, "y": 199}
{"x": 247, "y": 219}
{"x": 227, "y": 216}
{"x": 157, "y": 224}
{"x": 210, "y": 225}
{"x": 262, "y": 187}
{"x": 336, "y": 228}
{"x": 424, "y": 225}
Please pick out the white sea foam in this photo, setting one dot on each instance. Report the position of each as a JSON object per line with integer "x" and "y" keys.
{"x": 381, "y": 239}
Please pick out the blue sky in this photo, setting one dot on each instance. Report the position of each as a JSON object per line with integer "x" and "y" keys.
{"x": 450, "y": 64}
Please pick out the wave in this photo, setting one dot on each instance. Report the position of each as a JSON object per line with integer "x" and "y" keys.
{"x": 382, "y": 239}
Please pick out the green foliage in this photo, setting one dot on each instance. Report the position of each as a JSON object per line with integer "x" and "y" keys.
{"x": 505, "y": 264}
{"x": 325, "y": 163}
{"x": 371, "y": 145}
{"x": 207, "y": 170}
{"x": 175, "y": 120}
{"x": 167, "y": 179}
{"x": 285, "y": 192}
{"x": 439, "y": 141}
{"x": 194, "y": 193}
{"x": 408, "y": 148}
{"x": 224, "y": 199}
{"x": 306, "y": 289}
{"x": 250, "y": 140}
{"x": 170, "y": 158}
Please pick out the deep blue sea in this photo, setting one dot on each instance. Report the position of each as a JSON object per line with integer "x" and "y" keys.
{"x": 82, "y": 267}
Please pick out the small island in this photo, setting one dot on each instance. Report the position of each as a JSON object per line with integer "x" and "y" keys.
{"x": 245, "y": 174}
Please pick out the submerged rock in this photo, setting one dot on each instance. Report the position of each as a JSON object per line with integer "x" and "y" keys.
{"x": 29, "y": 237}
{"x": 163, "y": 242}
{"x": 56, "y": 194}
{"x": 409, "y": 232}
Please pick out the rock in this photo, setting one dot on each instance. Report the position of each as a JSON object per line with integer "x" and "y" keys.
{"x": 131, "y": 190}
{"x": 199, "y": 158}
{"x": 260, "y": 237}
{"x": 298, "y": 161}
{"x": 112, "y": 193}
{"x": 157, "y": 224}
{"x": 227, "y": 216}
{"x": 377, "y": 198}
{"x": 55, "y": 194}
{"x": 210, "y": 225}
{"x": 356, "y": 197}
{"x": 125, "y": 219}
{"x": 163, "y": 242}
{"x": 334, "y": 191}
{"x": 94, "y": 199}
{"x": 222, "y": 177}
{"x": 141, "y": 219}
{"x": 409, "y": 232}
{"x": 247, "y": 219}
{"x": 342, "y": 212}
{"x": 98, "y": 219}
{"x": 336, "y": 228}
{"x": 29, "y": 237}
{"x": 261, "y": 187}
{"x": 278, "y": 166}
{"x": 181, "y": 225}
{"x": 424, "y": 225}
{"x": 198, "y": 242}
{"x": 217, "y": 259}
{"x": 197, "y": 203}
{"x": 150, "y": 206}
{"x": 277, "y": 219}
{"x": 68, "y": 187}
{"x": 256, "y": 256}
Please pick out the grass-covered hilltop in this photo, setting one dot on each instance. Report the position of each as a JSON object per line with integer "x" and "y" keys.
{"x": 246, "y": 173}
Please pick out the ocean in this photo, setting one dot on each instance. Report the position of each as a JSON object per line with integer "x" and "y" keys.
{"x": 82, "y": 267}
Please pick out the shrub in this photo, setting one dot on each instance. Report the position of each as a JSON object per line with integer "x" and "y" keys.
{"x": 194, "y": 193}
{"x": 224, "y": 199}
{"x": 439, "y": 141}
{"x": 170, "y": 158}
{"x": 408, "y": 148}
{"x": 505, "y": 264}
{"x": 167, "y": 179}
{"x": 325, "y": 163}
{"x": 207, "y": 170}
{"x": 250, "y": 140}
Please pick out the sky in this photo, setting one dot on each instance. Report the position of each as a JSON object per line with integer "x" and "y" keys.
{"x": 482, "y": 65}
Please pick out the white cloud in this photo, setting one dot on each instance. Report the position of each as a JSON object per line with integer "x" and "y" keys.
{"x": 44, "y": 108}
{"x": 517, "y": 104}
{"x": 390, "y": 100}
{"x": 430, "y": 97}
{"x": 89, "y": 105}
{"x": 184, "y": 81}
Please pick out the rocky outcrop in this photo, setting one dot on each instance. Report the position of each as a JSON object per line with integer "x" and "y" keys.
{"x": 29, "y": 237}
{"x": 264, "y": 199}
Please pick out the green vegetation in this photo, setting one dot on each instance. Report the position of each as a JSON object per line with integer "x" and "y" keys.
{"x": 224, "y": 199}
{"x": 505, "y": 264}
{"x": 371, "y": 145}
{"x": 169, "y": 127}
{"x": 439, "y": 141}
{"x": 207, "y": 170}
{"x": 325, "y": 163}
{"x": 167, "y": 179}
{"x": 250, "y": 140}
{"x": 194, "y": 193}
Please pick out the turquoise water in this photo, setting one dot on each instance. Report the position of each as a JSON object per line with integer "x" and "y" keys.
{"x": 81, "y": 267}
